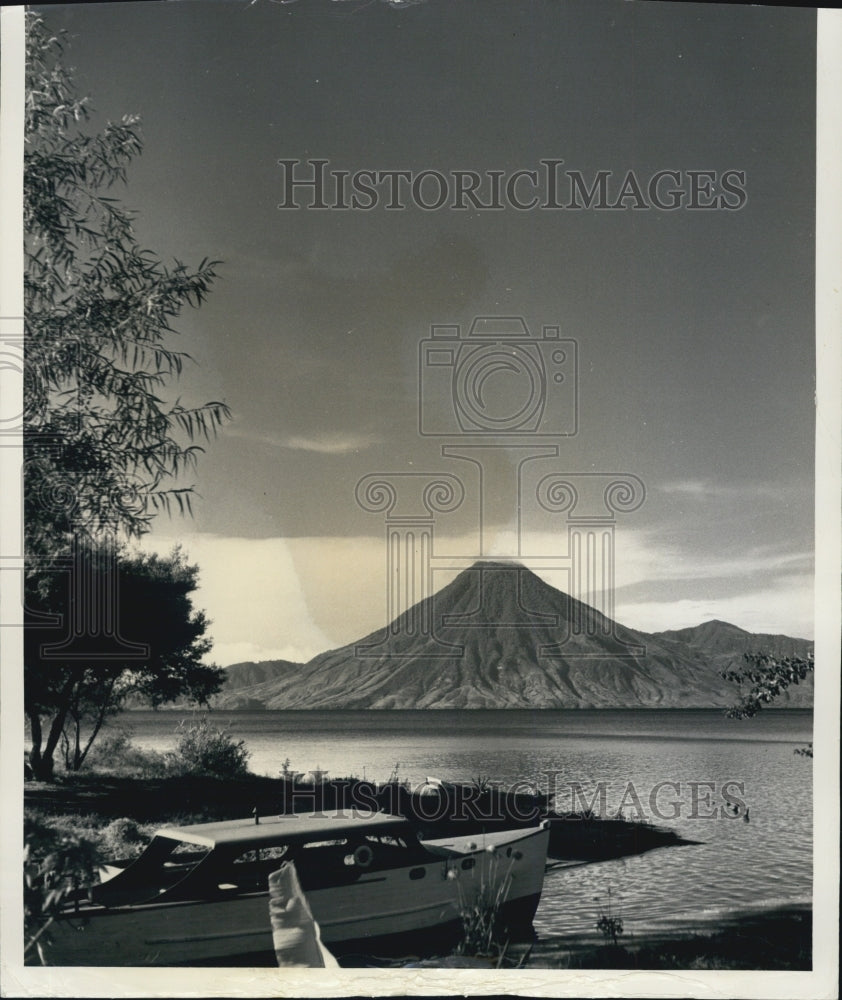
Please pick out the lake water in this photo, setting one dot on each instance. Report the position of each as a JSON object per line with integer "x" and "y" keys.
{"x": 623, "y": 756}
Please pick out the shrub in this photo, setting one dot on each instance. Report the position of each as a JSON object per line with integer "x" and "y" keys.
{"x": 609, "y": 925}
{"x": 480, "y": 903}
{"x": 123, "y": 838}
{"x": 203, "y": 749}
{"x": 55, "y": 863}
{"x": 116, "y": 754}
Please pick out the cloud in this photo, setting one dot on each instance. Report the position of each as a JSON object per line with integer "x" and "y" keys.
{"x": 709, "y": 489}
{"x": 778, "y": 609}
{"x": 688, "y": 487}
{"x": 340, "y": 443}
{"x": 332, "y": 444}
{"x": 642, "y": 557}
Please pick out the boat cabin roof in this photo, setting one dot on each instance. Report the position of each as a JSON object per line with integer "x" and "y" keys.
{"x": 285, "y": 829}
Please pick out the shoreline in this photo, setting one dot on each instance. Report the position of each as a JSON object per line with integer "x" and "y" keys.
{"x": 768, "y": 936}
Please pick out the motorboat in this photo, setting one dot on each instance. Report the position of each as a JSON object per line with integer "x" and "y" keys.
{"x": 198, "y": 895}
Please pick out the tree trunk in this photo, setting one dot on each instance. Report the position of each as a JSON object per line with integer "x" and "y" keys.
{"x": 43, "y": 771}
{"x": 105, "y": 704}
{"x": 36, "y": 760}
{"x": 42, "y": 764}
{"x": 56, "y": 729}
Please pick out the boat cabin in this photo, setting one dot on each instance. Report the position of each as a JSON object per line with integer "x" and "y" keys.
{"x": 213, "y": 860}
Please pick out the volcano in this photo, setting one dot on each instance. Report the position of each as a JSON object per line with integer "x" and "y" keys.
{"x": 498, "y": 636}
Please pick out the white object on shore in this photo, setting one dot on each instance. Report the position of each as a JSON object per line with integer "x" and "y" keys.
{"x": 295, "y": 934}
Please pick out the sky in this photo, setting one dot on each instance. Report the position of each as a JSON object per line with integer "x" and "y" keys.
{"x": 693, "y": 328}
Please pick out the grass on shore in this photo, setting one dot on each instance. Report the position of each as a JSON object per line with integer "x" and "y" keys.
{"x": 776, "y": 939}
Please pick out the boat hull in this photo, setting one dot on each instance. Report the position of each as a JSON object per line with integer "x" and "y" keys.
{"x": 403, "y": 910}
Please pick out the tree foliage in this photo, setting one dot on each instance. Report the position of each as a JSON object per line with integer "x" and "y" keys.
{"x": 105, "y": 448}
{"x": 102, "y": 446}
{"x": 153, "y": 654}
{"x": 55, "y": 864}
{"x": 768, "y": 677}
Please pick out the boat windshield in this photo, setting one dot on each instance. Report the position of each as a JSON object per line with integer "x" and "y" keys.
{"x": 164, "y": 864}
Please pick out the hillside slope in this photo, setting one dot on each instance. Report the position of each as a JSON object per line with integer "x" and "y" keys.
{"x": 506, "y": 639}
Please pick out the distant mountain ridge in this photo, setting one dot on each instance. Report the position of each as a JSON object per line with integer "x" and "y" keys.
{"x": 721, "y": 638}
{"x": 509, "y": 640}
{"x": 251, "y": 685}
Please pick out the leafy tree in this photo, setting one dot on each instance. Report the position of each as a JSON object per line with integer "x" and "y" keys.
{"x": 101, "y": 445}
{"x": 104, "y": 451}
{"x": 153, "y": 653}
{"x": 768, "y": 677}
